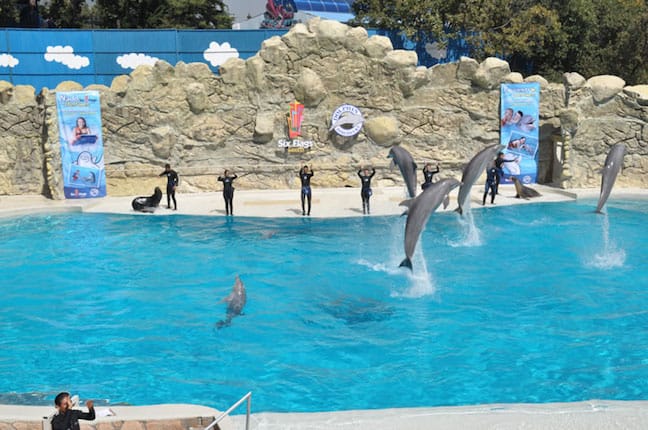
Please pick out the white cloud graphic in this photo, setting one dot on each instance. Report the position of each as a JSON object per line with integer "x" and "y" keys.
{"x": 217, "y": 54}
{"x": 8, "y": 60}
{"x": 132, "y": 60}
{"x": 65, "y": 55}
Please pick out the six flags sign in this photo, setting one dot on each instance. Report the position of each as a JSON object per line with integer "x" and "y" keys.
{"x": 346, "y": 121}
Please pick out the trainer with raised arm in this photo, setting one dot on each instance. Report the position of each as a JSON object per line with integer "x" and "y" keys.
{"x": 67, "y": 418}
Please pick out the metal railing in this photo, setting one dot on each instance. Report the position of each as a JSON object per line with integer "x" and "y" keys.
{"x": 218, "y": 419}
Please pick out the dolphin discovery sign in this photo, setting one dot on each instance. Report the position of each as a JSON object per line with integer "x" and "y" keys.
{"x": 347, "y": 120}
{"x": 294, "y": 119}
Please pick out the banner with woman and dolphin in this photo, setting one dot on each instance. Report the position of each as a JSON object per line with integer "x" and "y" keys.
{"x": 520, "y": 107}
{"x": 80, "y": 137}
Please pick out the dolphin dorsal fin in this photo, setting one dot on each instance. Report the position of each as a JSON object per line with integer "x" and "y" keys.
{"x": 407, "y": 203}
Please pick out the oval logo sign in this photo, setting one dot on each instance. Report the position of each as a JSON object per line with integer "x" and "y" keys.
{"x": 347, "y": 120}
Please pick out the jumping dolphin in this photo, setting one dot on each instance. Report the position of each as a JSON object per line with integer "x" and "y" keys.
{"x": 407, "y": 166}
{"x": 235, "y": 302}
{"x": 522, "y": 191}
{"x": 418, "y": 212}
{"x": 472, "y": 171}
{"x": 613, "y": 163}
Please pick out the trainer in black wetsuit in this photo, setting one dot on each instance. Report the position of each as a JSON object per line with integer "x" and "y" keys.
{"x": 172, "y": 183}
{"x": 491, "y": 184}
{"x": 68, "y": 418}
{"x": 228, "y": 191}
{"x": 500, "y": 171}
{"x": 428, "y": 174}
{"x": 365, "y": 192}
{"x": 305, "y": 175}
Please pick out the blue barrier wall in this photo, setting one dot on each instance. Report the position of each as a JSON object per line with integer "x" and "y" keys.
{"x": 44, "y": 58}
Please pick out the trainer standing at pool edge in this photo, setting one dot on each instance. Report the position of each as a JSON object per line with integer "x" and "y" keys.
{"x": 172, "y": 184}
{"x": 365, "y": 192}
{"x": 67, "y": 418}
{"x": 228, "y": 191}
{"x": 305, "y": 175}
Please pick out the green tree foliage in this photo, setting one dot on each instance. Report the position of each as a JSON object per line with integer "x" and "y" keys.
{"x": 8, "y": 13}
{"x": 66, "y": 13}
{"x": 162, "y": 14}
{"x": 543, "y": 36}
{"x": 415, "y": 18}
{"x": 192, "y": 14}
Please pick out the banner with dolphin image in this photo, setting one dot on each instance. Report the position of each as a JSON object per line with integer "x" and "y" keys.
{"x": 520, "y": 114}
{"x": 81, "y": 140}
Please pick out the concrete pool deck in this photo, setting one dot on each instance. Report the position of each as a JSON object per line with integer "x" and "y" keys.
{"x": 338, "y": 202}
{"x": 327, "y": 202}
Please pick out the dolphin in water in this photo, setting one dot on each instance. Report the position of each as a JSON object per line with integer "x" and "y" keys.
{"x": 472, "y": 171}
{"x": 613, "y": 164}
{"x": 407, "y": 166}
{"x": 418, "y": 212}
{"x": 235, "y": 302}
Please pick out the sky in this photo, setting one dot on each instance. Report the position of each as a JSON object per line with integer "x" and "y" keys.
{"x": 241, "y": 8}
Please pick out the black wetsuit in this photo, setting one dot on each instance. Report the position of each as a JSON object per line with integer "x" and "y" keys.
{"x": 365, "y": 192}
{"x": 305, "y": 190}
{"x": 172, "y": 183}
{"x": 70, "y": 419}
{"x": 427, "y": 176}
{"x": 500, "y": 171}
{"x": 491, "y": 184}
{"x": 228, "y": 193}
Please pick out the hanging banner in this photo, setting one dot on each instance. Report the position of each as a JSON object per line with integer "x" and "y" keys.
{"x": 79, "y": 120}
{"x": 520, "y": 110}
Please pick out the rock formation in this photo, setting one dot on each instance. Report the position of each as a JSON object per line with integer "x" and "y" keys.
{"x": 202, "y": 123}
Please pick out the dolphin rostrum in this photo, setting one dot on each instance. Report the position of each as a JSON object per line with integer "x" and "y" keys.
{"x": 472, "y": 171}
{"x": 407, "y": 166}
{"x": 235, "y": 302}
{"x": 613, "y": 163}
{"x": 418, "y": 212}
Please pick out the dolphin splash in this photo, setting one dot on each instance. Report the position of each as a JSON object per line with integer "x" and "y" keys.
{"x": 418, "y": 212}
{"x": 235, "y": 302}
{"x": 472, "y": 171}
{"x": 403, "y": 159}
{"x": 613, "y": 164}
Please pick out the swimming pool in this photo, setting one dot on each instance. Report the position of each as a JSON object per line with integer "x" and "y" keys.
{"x": 547, "y": 303}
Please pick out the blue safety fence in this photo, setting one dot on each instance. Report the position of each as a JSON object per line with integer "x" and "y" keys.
{"x": 46, "y": 57}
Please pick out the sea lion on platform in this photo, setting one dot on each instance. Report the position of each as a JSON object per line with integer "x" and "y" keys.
{"x": 523, "y": 191}
{"x": 148, "y": 204}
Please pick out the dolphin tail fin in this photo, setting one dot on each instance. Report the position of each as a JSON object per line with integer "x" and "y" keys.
{"x": 224, "y": 323}
{"x": 406, "y": 263}
{"x": 459, "y": 210}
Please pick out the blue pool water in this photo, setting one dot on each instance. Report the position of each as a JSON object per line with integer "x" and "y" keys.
{"x": 542, "y": 303}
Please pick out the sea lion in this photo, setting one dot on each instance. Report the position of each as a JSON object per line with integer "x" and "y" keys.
{"x": 522, "y": 191}
{"x": 148, "y": 204}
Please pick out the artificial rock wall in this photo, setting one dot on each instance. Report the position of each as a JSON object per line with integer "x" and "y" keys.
{"x": 202, "y": 123}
